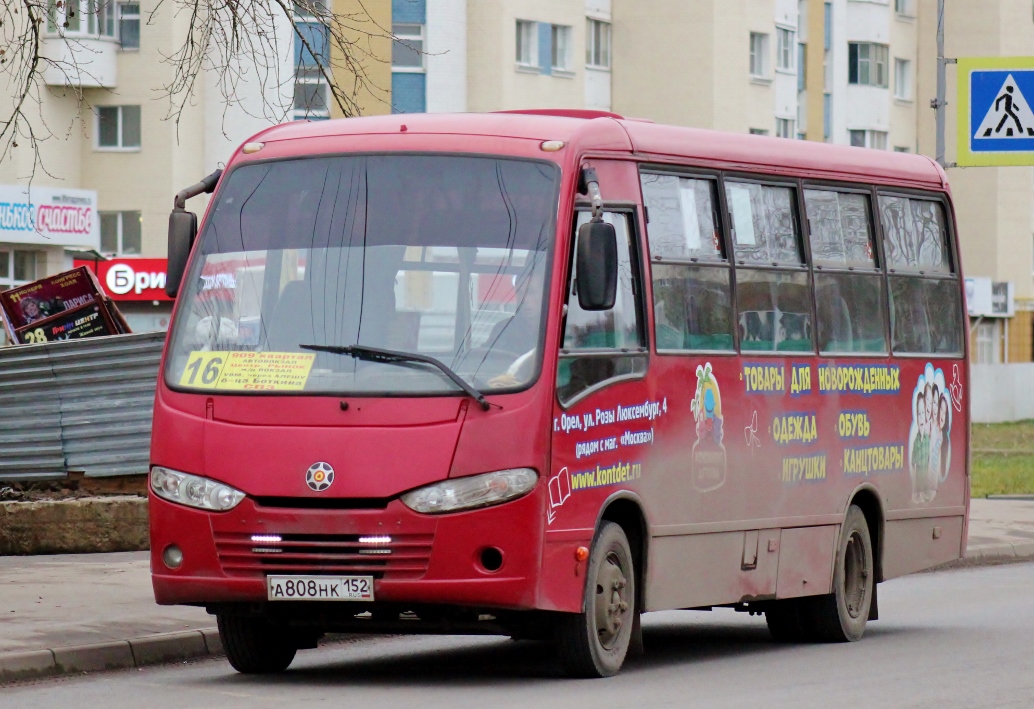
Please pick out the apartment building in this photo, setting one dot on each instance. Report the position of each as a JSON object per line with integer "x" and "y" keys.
{"x": 840, "y": 71}
{"x": 489, "y": 55}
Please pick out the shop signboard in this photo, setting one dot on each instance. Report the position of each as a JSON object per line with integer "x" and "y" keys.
{"x": 49, "y": 216}
{"x": 131, "y": 278}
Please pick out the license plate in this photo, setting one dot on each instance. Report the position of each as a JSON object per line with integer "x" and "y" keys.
{"x": 319, "y": 588}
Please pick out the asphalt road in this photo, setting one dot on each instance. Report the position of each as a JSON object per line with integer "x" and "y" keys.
{"x": 950, "y": 639}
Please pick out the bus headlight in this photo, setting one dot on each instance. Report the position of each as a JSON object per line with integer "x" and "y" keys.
{"x": 471, "y": 492}
{"x": 194, "y": 490}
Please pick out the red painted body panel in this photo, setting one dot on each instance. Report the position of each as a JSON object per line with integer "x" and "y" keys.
{"x": 778, "y": 456}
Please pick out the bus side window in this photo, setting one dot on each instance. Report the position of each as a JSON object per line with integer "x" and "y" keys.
{"x": 773, "y": 295}
{"x": 607, "y": 345}
{"x": 925, "y": 305}
{"x": 692, "y": 298}
{"x": 849, "y": 286}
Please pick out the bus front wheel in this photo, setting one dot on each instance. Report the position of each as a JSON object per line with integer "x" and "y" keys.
{"x": 840, "y": 616}
{"x": 594, "y": 643}
{"x": 254, "y": 645}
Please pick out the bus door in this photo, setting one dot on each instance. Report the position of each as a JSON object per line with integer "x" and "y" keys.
{"x": 603, "y": 403}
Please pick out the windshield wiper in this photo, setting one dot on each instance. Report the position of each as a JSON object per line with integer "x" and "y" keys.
{"x": 374, "y": 354}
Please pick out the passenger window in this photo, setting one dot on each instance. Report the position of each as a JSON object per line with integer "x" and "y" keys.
{"x": 925, "y": 315}
{"x": 682, "y": 218}
{"x": 915, "y": 238}
{"x": 841, "y": 231}
{"x": 851, "y": 313}
{"x": 692, "y": 297}
{"x": 925, "y": 308}
{"x": 605, "y": 345}
{"x": 764, "y": 224}
{"x": 692, "y": 307}
{"x": 774, "y": 311}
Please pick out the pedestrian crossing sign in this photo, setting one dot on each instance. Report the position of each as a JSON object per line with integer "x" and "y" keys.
{"x": 995, "y": 118}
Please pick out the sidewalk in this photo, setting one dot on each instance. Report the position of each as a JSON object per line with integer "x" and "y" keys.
{"x": 81, "y": 613}
{"x": 84, "y": 612}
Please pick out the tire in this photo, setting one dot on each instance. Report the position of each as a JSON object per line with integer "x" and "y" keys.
{"x": 254, "y": 646}
{"x": 841, "y": 616}
{"x": 595, "y": 643}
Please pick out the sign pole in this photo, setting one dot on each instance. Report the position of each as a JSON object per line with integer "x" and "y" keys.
{"x": 940, "y": 103}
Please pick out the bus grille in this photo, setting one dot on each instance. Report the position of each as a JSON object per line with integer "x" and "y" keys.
{"x": 399, "y": 556}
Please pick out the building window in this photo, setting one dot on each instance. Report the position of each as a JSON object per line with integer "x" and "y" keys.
{"x": 987, "y": 343}
{"x": 19, "y": 267}
{"x": 118, "y": 127}
{"x": 784, "y": 127}
{"x": 903, "y": 79}
{"x": 311, "y": 58}
{"x": 827, "y": 116}
{"x": 784, "y": 49}
{"x": 802, "y": 67}
{"x": 758, "y": 54}
{"x": 407, "y": 51}
{"x": 867, "y": 64}
{"x": 129, "y": 25}
{"x": 92, "y": 18}
{"x": 758, "y": 131}
{"x": 827, "y": 25}
{"x": 904, "y": 8}
{"x": 902, "y": 149}
{"x": 527, "y": 46}
{"x": 560, "y": 38}
{"x": 876, "y": 139}
{"x": 121, "y": 233}
{"x": 597, "y": 44}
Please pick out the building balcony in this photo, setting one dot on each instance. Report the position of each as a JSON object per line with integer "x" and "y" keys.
{"x": 80, "y": 60}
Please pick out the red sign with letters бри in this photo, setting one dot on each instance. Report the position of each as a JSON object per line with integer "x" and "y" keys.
{"x": 131, "y": 278}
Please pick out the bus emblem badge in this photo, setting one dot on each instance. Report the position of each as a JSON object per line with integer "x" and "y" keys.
{"x": 319, "y": 476}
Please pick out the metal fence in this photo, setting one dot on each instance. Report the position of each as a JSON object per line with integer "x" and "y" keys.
{"x": 80, "y": 405}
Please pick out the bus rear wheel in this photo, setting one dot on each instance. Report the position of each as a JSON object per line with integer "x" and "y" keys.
{"x": 254, "y": 646}
{"x": 595, "y": 643}
{"x": 840, "y": 616}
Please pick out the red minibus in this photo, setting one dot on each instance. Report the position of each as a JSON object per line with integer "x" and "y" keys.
{"x": 536, "y": 373}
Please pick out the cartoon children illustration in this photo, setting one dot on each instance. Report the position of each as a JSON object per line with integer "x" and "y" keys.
{"x": 930, "y": 436}
{"x": 943, "y": 421}
{"x": 920, "y": 458}
{"x": 708, "y": 451}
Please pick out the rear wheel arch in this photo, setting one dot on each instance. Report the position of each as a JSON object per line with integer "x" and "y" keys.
{"x": 868, "y": 499}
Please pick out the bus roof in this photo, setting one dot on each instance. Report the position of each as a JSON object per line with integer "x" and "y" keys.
{"x": 600, "y": 131}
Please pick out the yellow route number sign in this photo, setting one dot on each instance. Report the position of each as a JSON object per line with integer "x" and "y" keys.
{"x": 247, "y": 371}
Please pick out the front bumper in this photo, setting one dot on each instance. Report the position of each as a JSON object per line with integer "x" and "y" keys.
{"x": 430, "y": 559}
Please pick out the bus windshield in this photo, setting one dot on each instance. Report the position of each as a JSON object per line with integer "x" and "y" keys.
{"x": 444, "y": 256}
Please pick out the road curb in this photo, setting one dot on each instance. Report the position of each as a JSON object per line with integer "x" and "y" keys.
{"x": 121, "y": 654}
{"x": 990, "y": 555}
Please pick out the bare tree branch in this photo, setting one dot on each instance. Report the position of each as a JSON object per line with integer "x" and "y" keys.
{"x": 245, "y": 49}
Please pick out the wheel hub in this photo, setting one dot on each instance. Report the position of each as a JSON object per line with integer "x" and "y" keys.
{"x": 612, "y": 600}
{"x": 856, "y": 575}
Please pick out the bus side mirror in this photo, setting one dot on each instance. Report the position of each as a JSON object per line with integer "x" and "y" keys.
{"x": 182, "y": 231}
{"x": 597, "y": 266}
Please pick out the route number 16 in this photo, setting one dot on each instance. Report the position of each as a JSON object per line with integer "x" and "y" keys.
{"x": 203, "y": 369}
